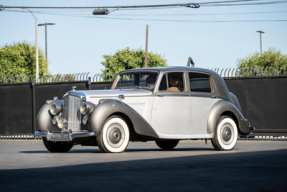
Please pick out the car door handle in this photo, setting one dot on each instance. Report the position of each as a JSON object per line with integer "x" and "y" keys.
{"x": 160, "y": 95}
{"x": 213, "y": 96}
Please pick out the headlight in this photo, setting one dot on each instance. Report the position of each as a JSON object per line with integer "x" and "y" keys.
{"x": 55, "y": 109}
{"x": 62, "y": 123}
{"x": 84, "y": 108}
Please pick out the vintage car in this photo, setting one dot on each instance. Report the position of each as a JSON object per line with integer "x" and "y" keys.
{"x": 164, "y": 105}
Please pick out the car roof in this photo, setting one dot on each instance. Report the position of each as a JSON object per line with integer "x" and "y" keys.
{"x": 220, "y": 85}
{"x": 176, "y": 68}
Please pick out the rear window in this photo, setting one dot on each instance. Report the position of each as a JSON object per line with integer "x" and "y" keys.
{"x": 200, "y": 82}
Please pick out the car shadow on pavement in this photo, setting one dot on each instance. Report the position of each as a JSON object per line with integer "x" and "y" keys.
{"x": 128, "y": 150}
{"x": 244, "y": 171}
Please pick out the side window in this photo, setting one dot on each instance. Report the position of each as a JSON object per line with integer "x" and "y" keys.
{"x": 200, "y": 82}
{"x": 173, "y": 82}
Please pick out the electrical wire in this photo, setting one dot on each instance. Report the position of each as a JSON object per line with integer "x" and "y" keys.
{"x": 187, "y": 14}
{"x": 203, "y": 14}
{"x": 242, "y": 4}
{"x": 196, "y": 21}
{"x": 218, "y": 3}
{"x": 192, "y": 5}
{"x": 182, "y": 21}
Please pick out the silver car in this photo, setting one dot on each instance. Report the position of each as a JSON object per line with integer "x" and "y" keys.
{"x": 164, "y": 105}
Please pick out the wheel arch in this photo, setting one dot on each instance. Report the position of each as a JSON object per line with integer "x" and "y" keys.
{"x": 126, "y": 118}
{"x": 109, "y": 107}
{"x": 232, "y": 115}
{"x": 226, "y": 108}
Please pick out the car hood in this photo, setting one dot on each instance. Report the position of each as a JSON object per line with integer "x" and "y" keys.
{"x": 111, "y": 93}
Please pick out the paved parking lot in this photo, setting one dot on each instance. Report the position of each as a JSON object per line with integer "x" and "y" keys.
{"x": 25, "y": 165}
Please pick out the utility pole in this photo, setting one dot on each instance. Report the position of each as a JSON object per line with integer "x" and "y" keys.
{"x": 36, "y": 39}
{"x": 146, "y": 45}
{"x": 260, "y": 40}
{"x": 46, "y": 43}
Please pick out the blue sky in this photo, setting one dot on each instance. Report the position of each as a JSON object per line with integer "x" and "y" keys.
{"x": 77, "y": 42}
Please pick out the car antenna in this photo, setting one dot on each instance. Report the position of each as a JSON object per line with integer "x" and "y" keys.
{"x": 190, "y": 61}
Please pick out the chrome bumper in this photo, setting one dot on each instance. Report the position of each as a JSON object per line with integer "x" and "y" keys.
{"x": 63, "y": 136}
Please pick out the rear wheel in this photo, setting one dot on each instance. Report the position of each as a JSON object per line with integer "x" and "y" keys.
{"x": 167, "y": 144}
{"x": 57, "y": 147}
{"x": 226, "y": 133}
{"x": 115, "y": 135}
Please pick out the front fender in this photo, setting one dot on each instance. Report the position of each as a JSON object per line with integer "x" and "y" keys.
{"x": 44, "y": 118}
{"x": 107, "y": 107}
{"x": 226, "y": 107}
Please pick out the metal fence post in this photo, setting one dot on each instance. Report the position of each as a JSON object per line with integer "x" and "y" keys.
{"x": 34, "y": 106}
{"x": 89, "y": 84}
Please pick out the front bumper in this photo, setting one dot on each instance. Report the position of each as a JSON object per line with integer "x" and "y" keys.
{"x": 63, "y": 136}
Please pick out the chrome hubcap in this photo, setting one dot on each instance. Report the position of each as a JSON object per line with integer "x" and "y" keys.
{"x": 115, "y": 135}
{"x": 227, "y": 134}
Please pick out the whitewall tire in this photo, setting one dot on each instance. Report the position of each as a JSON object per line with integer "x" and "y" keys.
{"x": 115, "y": 135}
{"x": 225, "y": 135}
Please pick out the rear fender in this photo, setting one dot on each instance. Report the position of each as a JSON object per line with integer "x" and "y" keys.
{"x": 222, "y": 107}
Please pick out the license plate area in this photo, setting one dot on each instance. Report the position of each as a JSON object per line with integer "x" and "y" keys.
{"x": 58, "y": 137}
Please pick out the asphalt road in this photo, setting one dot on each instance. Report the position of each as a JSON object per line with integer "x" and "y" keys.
{"x": 25, "y": 165}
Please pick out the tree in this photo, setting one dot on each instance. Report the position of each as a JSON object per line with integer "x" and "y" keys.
{"x": 19, "y": 59}
{"x": 271, "y": 58}
{"x": 130, "y": 59}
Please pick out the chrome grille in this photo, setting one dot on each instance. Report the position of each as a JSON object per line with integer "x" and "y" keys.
{"x": 72, "y": 112}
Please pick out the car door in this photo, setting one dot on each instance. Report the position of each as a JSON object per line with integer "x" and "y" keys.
{"x": 201, "y": 101}
{"x": 171, "y": 109}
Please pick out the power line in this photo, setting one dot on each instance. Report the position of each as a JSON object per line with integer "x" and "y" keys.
{"x": 203, "y": 14}
{"x": 198, "y": 21}
{"x": 240, "y": 4}
{"x": 164, "y": 20}
{"x": 186, "y": 14}
{"x": 191, "y": 5}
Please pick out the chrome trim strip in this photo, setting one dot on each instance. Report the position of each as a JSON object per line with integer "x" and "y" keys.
{"x": 77, "y": 94}
{"x": 82, "y": 134}
{"x": 170, "y": 94}
{"x": 64, "y": 136}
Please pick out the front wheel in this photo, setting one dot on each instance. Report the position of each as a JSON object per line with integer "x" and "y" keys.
{"x": 57, "y": 147}
{"x": 167, "y": 144}
{"x": 115, "y": 136}
{"x": 226, "y": 133}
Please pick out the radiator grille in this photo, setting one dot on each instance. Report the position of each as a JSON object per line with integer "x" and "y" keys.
{"x": 72, "y": 112}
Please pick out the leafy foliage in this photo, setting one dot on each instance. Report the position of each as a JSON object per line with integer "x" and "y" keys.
{"x": 270, "y": 58}
{"x": 20, "y": 59}
{"x": 130, "y": 59}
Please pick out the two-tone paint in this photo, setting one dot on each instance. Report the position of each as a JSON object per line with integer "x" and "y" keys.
{"x": 159, "y": 114}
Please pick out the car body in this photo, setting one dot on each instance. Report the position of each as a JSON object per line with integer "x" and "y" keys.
{"x": 164, "y": 105}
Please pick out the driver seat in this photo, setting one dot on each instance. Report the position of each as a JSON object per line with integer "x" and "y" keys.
{"x": 174, "y": 82}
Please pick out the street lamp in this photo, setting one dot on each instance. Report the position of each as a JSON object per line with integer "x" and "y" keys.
{"x": 37, "y": 58}
{"x": 46, "y": 50}
{"x": 260, "y": 41}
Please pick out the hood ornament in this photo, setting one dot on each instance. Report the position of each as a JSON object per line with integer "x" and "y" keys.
{"x": 74, "y": 88}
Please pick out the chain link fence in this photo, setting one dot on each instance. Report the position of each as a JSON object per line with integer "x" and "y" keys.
{"x": 251, "y": 72}
{"x": 223, "y": 72}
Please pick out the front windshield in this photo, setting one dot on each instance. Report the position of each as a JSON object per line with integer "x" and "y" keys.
{"x": 134, "y": 80}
